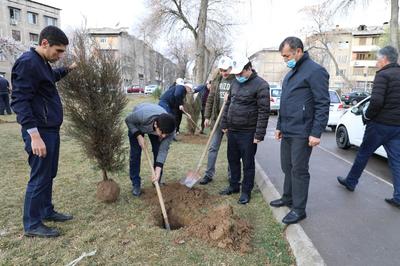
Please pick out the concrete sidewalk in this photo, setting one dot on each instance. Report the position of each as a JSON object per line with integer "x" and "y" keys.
{"x": 346, "y": 228}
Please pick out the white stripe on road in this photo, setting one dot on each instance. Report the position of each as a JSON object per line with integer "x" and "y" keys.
{"x": 347, "y": 161}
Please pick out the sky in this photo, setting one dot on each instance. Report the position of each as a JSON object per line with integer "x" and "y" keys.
{"x": 265, "y": 23}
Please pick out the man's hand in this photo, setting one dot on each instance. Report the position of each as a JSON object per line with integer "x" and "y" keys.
{"x": 140, "y": 139}
{"x": 226, "y": 96}
{"x": 72, "y": 66}
{"x": 207, "y": 123}
{"x": 278, "y": 135}
{"x": 313, "y": 141}
{"x": 181, "y": 108}
{"x": 256, "y": 141}
{"x": 38, "y": 146}
{"x": 157, "y": 176}
{"x": 225, "y": 130}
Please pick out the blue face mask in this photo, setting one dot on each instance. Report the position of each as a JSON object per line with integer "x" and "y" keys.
{"x": 291, "y": 63}
{"x": 241, "y": 79}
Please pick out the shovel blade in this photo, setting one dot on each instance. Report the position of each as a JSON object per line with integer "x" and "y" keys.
{"x": 190, "y": 179}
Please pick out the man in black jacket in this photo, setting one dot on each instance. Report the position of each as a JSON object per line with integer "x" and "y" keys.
{"x": 383, "y": 123}
{"x": 303, "y": 117}
{"x": 36, "y": 102}
{"x": 245, "y": 121}
{"x": 4, "y": 96}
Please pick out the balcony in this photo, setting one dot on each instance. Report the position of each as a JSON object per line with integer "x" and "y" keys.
{"x": 365, "y": 48}
{"x": 363, "y": 63}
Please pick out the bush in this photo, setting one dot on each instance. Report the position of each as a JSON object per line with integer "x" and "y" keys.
{"x": 157, "y": 93}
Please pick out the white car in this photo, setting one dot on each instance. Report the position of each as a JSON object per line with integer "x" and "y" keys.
{"x": 350, "y": 128}
{"x": 335, "y": 109}
{"x": 275, "y": 97}
{"x": 149, "y": 89}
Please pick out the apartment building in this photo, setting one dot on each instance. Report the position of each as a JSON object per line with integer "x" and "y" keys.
{"x": 22, "y": 21}
{"x": 140, "y": 64}
{"x": 269, "y": 65}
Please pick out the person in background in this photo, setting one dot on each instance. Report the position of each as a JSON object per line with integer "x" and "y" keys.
{"x": 4, "y": 96}
{"x": 203, "y": 91}
{"x": 382, "y": 123}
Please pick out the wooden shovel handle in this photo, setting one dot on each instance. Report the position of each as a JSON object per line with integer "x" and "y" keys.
{"x": 160, "y": 197}
{"x": 191, "y": 120}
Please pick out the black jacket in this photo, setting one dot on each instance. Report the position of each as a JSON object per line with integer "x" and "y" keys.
{"x": 174, "y": 96}
{"x": 247, "y": 107}
{"x": 35, "y": 98}
{"x": 304, "y": 106}
{"x": 4, "y": 86}
{"x": 384, "y": 106}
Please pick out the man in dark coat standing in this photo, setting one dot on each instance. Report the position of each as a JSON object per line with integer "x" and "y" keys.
{"x": 383, "y": 123}
{"x": 38, "y": 106}
{"x": 4, "y": 96}
{"x": 303, "y": 117}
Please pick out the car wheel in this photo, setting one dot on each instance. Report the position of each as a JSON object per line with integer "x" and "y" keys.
{"x": 342, "y": 138}
{"x": 354, "y": 102}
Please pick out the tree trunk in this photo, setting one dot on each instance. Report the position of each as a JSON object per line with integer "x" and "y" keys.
{"x": 201, "y": 42}
{"x": 105, "y": 175}
{"x": 394, "y": 24}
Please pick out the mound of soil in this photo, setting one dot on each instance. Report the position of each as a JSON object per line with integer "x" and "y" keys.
{"x": 195, "y": 211}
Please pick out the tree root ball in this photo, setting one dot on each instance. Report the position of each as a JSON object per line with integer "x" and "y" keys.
{"x": 107, "y": 191}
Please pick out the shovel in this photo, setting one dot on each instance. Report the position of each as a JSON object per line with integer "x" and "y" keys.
{"x": 191, "y": 120}
{"x": 160, "y": 197}
{"x": 193, "y": 176}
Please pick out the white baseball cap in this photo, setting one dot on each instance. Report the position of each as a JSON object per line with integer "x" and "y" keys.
{"x": 190, "y": 85}
{"x": 225, "y": 63}
{"x": 238, "y": 63}
{"x": 179, "y": 81}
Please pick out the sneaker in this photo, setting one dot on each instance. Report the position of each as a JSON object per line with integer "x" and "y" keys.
{"x": 229, "y": 190}
{"x": 205, "y": 180}
{"x": 136, "y": 191}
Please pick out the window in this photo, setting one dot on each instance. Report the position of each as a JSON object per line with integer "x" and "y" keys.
{"x": 16, "y": 35}
{"x": 375, "y": 41}
{"x": 342, "y": 59}
{"x": 365, "y": 56}
{"x": 32, "y": 18}
{"x": 362, "y": 41}
{"x": 334, "y": 97}
{"x": 34, "y": 38}
{"x": 358, "y": 71}
{"x": 15, "y": 15}
{"x": 49, "y": 21}
{"x": 103, "y": 40}
{"x": 341, "y": 72}
{"x": 372, "y": 71}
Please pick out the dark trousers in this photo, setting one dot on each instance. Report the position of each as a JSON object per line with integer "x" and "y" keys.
{"x": 241, "y": 146}
{"x": 136, "y": 154}
{"x": 295, "y": 156}
{"x": 375, "y": 135}
{"x": 38, "y": 195}
{"x": 5, "y": 104}
{"x": 178, "y": 118}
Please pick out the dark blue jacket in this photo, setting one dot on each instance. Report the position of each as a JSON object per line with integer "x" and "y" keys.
{"x": 4, "y": 86}
{"x": 304, "y": 107}
{"x": 35, "y": 98}
{"x": 174, "y": 96}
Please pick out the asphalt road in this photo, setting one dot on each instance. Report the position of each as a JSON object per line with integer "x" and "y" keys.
{"x": 347, "y": 228}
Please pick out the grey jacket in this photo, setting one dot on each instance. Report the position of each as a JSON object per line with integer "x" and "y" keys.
{"x": 141, "y": 120}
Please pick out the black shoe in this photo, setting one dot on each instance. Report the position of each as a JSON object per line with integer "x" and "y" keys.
{"x": 229, "y": 190}
{"x": 136, "y": 191}
{"x": 393, "y": 202}
{"x": 58, "y": 217}
{"x": 205, "y": 180}
{"x": 244, "y": 198}
{"x": 42, "y": 231}
{"x": 293, "y": 217}
{"x": 342, "y": 180}
{"x": 280, "y": 203}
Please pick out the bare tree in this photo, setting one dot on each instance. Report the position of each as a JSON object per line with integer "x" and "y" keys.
{"x": 193, "y": 16}
{"x": 11, "y": 49}
{"x": 180, "y": 51}
{"x": 321, "y": 36}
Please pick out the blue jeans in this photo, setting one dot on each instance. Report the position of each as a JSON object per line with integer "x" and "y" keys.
{"x": 213, "y": 153}
{"x": 136, "y": 154}
{"x": 38, "y": 195}
{"x": 375, "y": 135}
{"x": 241, "y": 146}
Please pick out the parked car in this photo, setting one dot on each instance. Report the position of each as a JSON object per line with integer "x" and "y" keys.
{"x": 135, "y": 89}
{"x": 350, "y": 128}
{"x": 354, "y": 97}
{"x": 149, "y": 89}
{"x": 335, "y": 109}
{"x": 275, "y": 98}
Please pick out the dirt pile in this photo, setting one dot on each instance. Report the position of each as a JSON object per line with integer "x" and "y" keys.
{"x": 196, "y": 211}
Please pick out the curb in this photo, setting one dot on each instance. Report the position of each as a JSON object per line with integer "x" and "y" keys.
{"x": 303, "y": 249}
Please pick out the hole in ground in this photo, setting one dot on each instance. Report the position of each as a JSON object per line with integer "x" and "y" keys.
{"x": 175, "y": 220}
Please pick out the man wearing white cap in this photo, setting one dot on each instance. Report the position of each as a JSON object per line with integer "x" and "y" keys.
{"x": 219, "y": 87}
{"x": 245, "y": 120}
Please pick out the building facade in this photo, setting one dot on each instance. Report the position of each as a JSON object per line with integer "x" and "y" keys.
{"x": 140, "y": 64}
{"x": 269, "y": 65}
{"x": 21, "y": 22}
